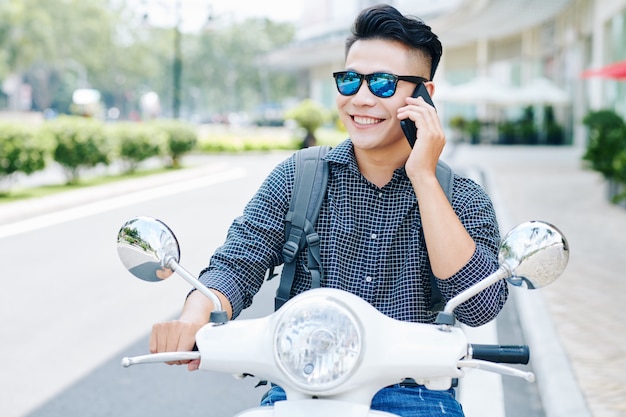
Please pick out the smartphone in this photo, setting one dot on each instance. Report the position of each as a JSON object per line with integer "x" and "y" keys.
{"x": 408, "y": 125}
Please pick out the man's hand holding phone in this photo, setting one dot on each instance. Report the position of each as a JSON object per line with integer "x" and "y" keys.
{"x": 408, "y": 126}
{"x": 423, "y": 131}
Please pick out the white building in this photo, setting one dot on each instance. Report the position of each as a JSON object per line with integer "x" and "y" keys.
{"x": 516, "y": 45}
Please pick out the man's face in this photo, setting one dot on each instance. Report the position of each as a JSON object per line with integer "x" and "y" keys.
{"x": 372, "y": 121}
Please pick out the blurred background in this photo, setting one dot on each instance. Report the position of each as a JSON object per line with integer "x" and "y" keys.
{"x": 232, "y": 75}
{"x": 504, "y": 62}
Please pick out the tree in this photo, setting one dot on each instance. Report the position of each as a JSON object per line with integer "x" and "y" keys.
{"x": 58, "y": 46}
{"x": 50, "y": 42}
{"x": 310, "y": 116}
{"x": 223, "y": 69}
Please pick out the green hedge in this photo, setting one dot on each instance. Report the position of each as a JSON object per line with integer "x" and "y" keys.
{"x": 79, "y": 143}
{"x": 136, "y": 142}
{"x": 21, "y": 150}
{"x": 180, "y": 138}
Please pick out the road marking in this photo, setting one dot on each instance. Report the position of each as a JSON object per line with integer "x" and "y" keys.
{"x": 102, "y": 206}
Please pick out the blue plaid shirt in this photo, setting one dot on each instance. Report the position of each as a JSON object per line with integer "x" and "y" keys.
{"x": 372, "y": 243}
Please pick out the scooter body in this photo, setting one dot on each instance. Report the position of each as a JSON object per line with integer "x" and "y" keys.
{"x": 330, "y": 350}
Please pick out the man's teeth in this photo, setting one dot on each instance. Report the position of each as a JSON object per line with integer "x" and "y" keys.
{"x": 366, "y": 120}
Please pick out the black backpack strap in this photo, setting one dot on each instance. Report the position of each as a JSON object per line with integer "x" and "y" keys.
{"x": 311, "y": 176}
{"x": 445, "y": 176}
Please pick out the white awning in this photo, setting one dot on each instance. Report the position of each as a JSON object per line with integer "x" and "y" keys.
{"x": 480, "y": 90}
{"x": 487, "y": 19}
{"x": 483, "y": 90}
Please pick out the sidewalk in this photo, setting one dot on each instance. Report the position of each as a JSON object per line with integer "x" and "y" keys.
{"x": 583, "y": 307}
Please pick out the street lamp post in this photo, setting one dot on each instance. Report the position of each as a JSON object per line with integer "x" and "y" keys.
{"x": 177, "y": 67}
{"x": 177, "y": 59}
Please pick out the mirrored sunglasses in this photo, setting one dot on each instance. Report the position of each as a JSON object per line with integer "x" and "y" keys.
{"x": 381, "y": 84}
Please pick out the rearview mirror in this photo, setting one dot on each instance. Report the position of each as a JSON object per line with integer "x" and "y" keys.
{"x": 146, "y": 247}
{"x": 535, "y": 253}
{"x": 150, "y": 251}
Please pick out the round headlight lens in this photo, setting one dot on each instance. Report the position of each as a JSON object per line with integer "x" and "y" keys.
{"x": 318, "y": 343}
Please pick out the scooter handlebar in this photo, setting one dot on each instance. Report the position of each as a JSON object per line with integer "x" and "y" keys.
{"x": 514, "y": 354}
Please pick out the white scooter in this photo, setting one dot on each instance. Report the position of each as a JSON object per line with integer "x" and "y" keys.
{"x": 328, "y": 348}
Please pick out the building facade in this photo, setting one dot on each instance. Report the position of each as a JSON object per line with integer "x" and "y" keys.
{"x": 511, "y": 43}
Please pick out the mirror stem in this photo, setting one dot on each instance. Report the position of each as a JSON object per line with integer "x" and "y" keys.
{"x": 171, "y": 263}
{"x": 460, "y": 298}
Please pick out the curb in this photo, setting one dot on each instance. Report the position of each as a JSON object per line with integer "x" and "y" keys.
{"x": 560, "y": 394}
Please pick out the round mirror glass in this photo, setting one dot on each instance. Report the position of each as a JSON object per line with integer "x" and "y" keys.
{"x": 534, "y": 252}
{"x": 145, "y": 246}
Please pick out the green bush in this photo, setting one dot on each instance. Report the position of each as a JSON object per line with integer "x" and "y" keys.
{"x": 619, "y": 165}
{"x": 457, "y": 122}
{"x": 606, "y": 150}
{"x": 20, "y": 151}
{"x": 607, "y": 139}
{"x": 137, "y": 142}
{"x": 473, "y": 128}
{"x": 180, "y": 138}
{"x": 468, "y": 128}
{"x": 79, "y": 143}
{"x": 507, "y": 132}
{"x": 555, "y": 134}
{"x": 220, "y": 144}
{"x": 310, "y": 116}
{"x": 238, "y": 144}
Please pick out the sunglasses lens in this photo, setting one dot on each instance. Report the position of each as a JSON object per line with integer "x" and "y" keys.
{"x": 348, "y": 82}
{"x": 382, "y": 85}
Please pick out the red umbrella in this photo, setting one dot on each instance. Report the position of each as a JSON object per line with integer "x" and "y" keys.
{"x": 615, "y": 71}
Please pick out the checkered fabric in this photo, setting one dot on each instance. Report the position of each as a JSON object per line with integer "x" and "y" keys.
{"x": 372, "y": 243}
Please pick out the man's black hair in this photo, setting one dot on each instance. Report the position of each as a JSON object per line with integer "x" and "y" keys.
{"x": 386, "y": 22}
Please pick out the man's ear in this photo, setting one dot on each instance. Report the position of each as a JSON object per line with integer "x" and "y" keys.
{"x": 430, "y": 87}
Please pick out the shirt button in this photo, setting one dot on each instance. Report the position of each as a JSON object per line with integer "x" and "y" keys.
{"x": 374, "y": 236}
{"x": 369, "y": 279}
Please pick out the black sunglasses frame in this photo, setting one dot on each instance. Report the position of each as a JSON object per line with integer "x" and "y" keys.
{"x": 368, "y": 77}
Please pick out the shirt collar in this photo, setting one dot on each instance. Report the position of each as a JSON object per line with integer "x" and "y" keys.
{"x": 343, "y": 154}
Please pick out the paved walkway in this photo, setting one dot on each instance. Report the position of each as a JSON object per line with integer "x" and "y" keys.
{"x": 583, "y": 308}
{"x": 584, "y": 305}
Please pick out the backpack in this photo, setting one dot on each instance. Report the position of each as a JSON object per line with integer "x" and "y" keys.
{"x": 311, "y": 177}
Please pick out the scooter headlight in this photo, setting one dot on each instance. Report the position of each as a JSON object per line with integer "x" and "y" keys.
{"x": 318, "y": 343}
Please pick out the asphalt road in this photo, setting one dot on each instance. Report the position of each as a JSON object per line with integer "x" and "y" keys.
{"x": 69, "y": 309}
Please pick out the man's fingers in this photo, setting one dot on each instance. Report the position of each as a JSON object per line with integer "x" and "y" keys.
{"x": 173, "y": 336}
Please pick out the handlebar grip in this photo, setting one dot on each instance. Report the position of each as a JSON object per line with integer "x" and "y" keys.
{"x": 517, "y": 354}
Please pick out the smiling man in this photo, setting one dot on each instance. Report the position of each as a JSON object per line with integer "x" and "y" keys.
{"x": 385, "y": 224}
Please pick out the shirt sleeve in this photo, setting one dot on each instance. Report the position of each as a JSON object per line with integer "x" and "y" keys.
{"x": 253, "y": 243}
{"x": 476, "y": 212}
